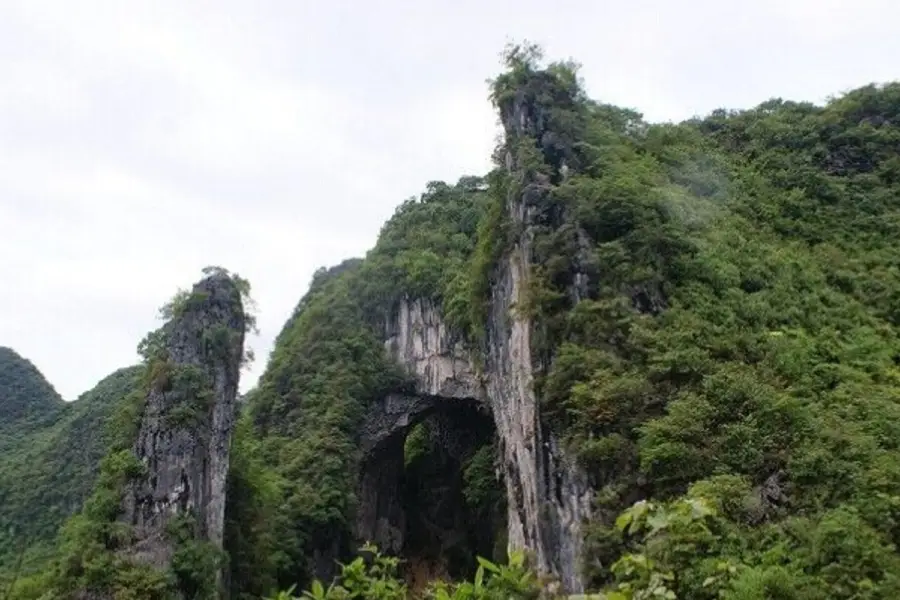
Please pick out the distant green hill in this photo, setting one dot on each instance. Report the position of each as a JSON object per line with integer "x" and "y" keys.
{"x": 26, "y": 397}
{"x": 50, "y": 453}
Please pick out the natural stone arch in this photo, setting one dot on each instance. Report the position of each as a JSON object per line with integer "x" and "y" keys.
{"x": 548, "y": 494}
{"x": 396, "y": 413}
{"x": 384, "y": 514}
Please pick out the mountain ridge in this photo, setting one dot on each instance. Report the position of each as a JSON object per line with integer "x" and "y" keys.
{"x": 672, "y": 348}
{"x": 25, "y": 394}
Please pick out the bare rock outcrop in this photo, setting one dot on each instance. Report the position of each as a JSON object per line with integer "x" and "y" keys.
{"x": 548, "y": 497}
{"x": 548, "y": 494}
{"x": 185, "y": 428}
{"x": 419, "y": 339}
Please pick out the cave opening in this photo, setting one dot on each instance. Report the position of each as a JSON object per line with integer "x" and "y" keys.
{"x": 431, "y": 493}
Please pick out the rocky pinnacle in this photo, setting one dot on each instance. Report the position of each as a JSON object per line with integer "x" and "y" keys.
{"x": 186, "y": 424}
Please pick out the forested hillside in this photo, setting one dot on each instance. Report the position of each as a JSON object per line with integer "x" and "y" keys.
{"x": 48, "y": 469}
{"x": 713, "y": 309}
{"x": 735, "y": 340}
{"x": 26, "y": 397}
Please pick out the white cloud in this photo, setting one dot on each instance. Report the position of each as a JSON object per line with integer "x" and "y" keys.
{"x": 141, "y": 141}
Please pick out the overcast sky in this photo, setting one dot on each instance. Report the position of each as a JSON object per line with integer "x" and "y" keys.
{"x": 141, "y": 141}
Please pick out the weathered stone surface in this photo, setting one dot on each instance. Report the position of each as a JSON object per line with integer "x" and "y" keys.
{"x": 548, "y": 494}
{"x": 548, "y": 497}
{"x": 187, "y": 461}
{"x": 418, "y": 338}
{"x": 380, "y": 517}
{"x": 391, "y": 415}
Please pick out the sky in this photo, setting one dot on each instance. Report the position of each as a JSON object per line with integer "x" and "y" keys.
{"x": 141, "y": 141}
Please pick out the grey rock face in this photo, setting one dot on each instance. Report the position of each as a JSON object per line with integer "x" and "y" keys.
{"x": 183, "y": 439}
{"x": 547, "y": 495}
{"x": 393, "y": 414}
{"x": 418, "y": 338}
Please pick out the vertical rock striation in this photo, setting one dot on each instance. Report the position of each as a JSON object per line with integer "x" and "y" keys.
{"x": 548, "y": 497}
{"x": 548, "y": 494}
{"x": 418, "y": 339}
{"x": 185, "y": 428}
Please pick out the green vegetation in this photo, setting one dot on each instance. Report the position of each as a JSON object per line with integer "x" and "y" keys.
{"x": 27, "y": 400}
{"x": 251, "y": 538}
{"x": 195, "y": 563}
{"x": 373, "y": 576}
{"x": 716, "y": 306}
{"x": 92, "y": 556}
{"x": 329, "y": 363}
{"x": 89, "y": 557}
{"x": 47, "y": 471}
{"x": 738, "y": 329}
{"x": 735, "y": 331}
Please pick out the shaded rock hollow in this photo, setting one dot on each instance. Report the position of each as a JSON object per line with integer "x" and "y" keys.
{"x": 547, "y": 497}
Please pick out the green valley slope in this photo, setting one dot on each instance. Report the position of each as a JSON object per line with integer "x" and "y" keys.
{"x": 48, "y": 465}
{"x": 26, "y": 398}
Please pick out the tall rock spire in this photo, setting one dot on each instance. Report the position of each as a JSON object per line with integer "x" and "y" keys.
{"x": 185, "y": 429}
{"x": 548, "y": 494}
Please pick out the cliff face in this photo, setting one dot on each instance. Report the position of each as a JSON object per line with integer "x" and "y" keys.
{"x": 185, "y": 429}
{"x": 418, "y": 338}
{"x": 445, "y": 379}
{"x": 547, "y": 496}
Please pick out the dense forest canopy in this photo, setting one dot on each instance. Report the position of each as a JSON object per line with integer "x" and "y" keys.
{"x": 47, "y": 470}
{"x": 26, "y": 397}
{"x": 716, "y": 306}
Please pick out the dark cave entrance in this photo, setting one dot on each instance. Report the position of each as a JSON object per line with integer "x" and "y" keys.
{"x": 430, "y": 493}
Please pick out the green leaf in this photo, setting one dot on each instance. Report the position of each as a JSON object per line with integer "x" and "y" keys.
{"x": 493, "y": 568}
{"x": 623, "y": 520}
{"x": 658, "y": 520}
